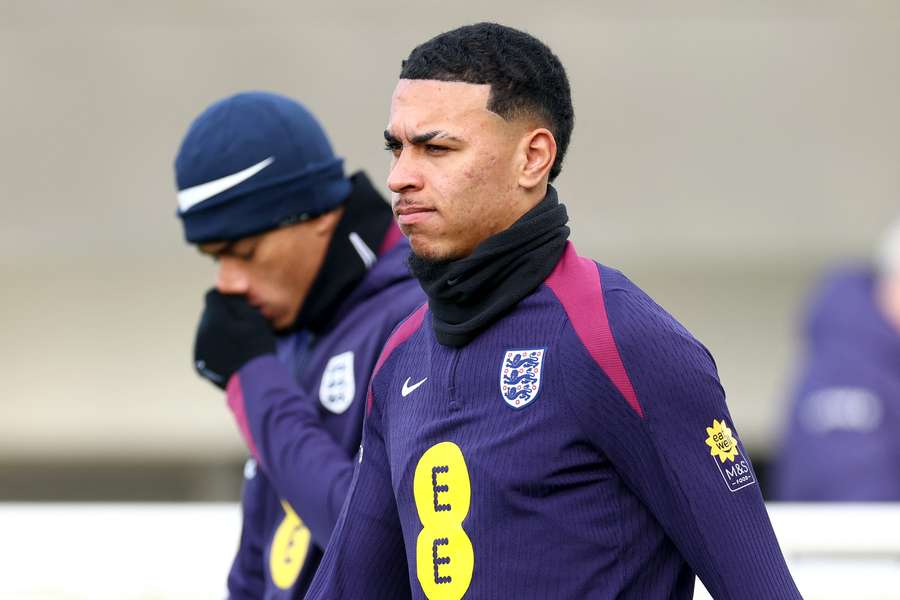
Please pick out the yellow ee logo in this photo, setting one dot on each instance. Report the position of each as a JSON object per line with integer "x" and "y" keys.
{"x": 289, "y": 548}
{"x": 445, "y": 558}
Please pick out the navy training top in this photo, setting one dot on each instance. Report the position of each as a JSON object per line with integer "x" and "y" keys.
{"x": 301, "y": 415}
{"x": 580, "y": 447}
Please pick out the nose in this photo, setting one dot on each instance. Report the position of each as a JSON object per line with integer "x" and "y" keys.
{"x": 231, "y": 277}
{"x": 405, "y": 175}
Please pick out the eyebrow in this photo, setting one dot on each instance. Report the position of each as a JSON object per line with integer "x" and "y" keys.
{"x": 422, "y": 138}
{"x": 389, "y": 137}
{"x": 221, "y": 250}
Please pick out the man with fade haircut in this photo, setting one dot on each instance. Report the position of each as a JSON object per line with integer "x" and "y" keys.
{"x": 312, "y": 278}
{"x": 541, "y": 428}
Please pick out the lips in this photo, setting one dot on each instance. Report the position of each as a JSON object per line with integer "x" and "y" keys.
{"x": 259, "y": 306}
{"x": 409, "y": 215}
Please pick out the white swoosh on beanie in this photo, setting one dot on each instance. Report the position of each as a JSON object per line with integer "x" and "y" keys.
{"x": 188, "y": 197}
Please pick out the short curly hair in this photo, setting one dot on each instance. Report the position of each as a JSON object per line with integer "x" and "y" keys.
{"x": 526, "y": 78}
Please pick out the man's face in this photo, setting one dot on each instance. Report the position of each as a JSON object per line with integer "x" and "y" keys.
{"x": 454, "y": 168}
{"x": 274, "y": 270}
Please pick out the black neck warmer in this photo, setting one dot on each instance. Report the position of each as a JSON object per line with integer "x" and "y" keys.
{"x": 368, "y": 215}
{"x": 468, "y": 294}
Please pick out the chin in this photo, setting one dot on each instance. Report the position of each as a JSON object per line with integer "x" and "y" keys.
{"x": 432, "y": 252}
{"x": 280, "y": 324}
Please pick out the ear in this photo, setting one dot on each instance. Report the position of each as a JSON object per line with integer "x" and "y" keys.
{"x": 538, "y": 149}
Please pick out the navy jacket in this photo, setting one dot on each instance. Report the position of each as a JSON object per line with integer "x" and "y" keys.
{"x": 578, "y": 448}
{"x": 301, "y": 415}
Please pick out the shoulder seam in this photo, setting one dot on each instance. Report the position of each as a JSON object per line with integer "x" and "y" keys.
{"x": 401, "y": 334}
{"x": 577, "y": 284}
{"x": 613, "y": 287}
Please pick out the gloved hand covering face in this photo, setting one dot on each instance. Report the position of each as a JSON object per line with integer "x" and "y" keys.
{"x": 230, "y": 334}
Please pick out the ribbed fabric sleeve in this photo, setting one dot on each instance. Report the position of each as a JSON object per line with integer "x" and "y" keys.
{"x": 289, "y": 440}
{"x": 365, "y": 557}
{"x": 724, "y": 535}
{"x": 246, "y": 580}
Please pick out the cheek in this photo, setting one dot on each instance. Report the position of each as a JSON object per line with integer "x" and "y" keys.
{"x": 276, "y": 280}
{"x": 487, "y": 188}
{"x": 471, "y": 191}
{"x": 264, "y": 281}
{"x": 494, "y": 172}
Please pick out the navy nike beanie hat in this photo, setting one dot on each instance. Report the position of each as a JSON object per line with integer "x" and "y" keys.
{"x": 253, "y": 162}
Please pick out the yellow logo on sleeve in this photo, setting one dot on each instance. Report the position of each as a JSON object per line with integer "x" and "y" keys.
{"x": 445, "y": 558}
{"x": 289, "y": 548}
{"x": 720, "y": 441}
{"x": 723, "y": 448}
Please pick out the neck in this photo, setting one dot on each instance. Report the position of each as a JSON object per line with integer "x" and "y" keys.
{"x": 351, "y": 253}
{"x": 468, "y": 294}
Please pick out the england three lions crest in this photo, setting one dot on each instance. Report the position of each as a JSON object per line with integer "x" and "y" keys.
{"x": 337, "y": 388}
{"x": 520, "y": 376}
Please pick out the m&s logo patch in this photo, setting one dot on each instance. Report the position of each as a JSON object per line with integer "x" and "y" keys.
{"x": 723, "y": 448}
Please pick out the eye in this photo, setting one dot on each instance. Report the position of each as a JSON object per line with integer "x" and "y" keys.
{"x": 435, "y": 149}
{"x": 244, "y": 252}
{"x": 393, "y": 147}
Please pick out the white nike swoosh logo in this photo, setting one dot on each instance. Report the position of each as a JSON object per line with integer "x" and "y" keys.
{"x": 409, "y": 389}
{"x": 188, "y": 197}
{"x": 365, "y": 253}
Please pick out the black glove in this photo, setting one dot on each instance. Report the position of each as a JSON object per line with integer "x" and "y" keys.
{"x": 230, "y": 334}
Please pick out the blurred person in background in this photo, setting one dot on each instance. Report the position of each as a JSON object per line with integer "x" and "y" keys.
{"x": 842, "y": 438}
{"x": 312, "y": 278}
{"x": 541, "y": 428}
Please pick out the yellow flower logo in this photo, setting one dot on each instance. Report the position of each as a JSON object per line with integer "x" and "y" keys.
{"x": 720, "y": 441}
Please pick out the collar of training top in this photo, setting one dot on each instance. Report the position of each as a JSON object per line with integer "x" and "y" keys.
{"x": 351, "y": 252}
{"x": 468, "y": 294}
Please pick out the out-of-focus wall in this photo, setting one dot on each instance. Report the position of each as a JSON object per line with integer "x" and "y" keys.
{"x": 191, "y": 545}
{"x": 723, "y": 152}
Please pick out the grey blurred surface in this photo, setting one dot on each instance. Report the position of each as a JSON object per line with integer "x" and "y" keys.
{"x": 190, "y": 547}
{"x": 723, "y": 153}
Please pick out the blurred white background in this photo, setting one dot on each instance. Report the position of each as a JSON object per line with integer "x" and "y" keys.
{"x": 181, "y": 551}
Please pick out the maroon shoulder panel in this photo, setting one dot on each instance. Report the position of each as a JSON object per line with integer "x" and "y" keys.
{"x": 400, "y": 335}
{"x": 577, "y": 284}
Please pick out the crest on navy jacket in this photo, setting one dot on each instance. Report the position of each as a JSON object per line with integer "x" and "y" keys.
{"x": 520, "y": 376}
{"x": 338, "y": 387}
